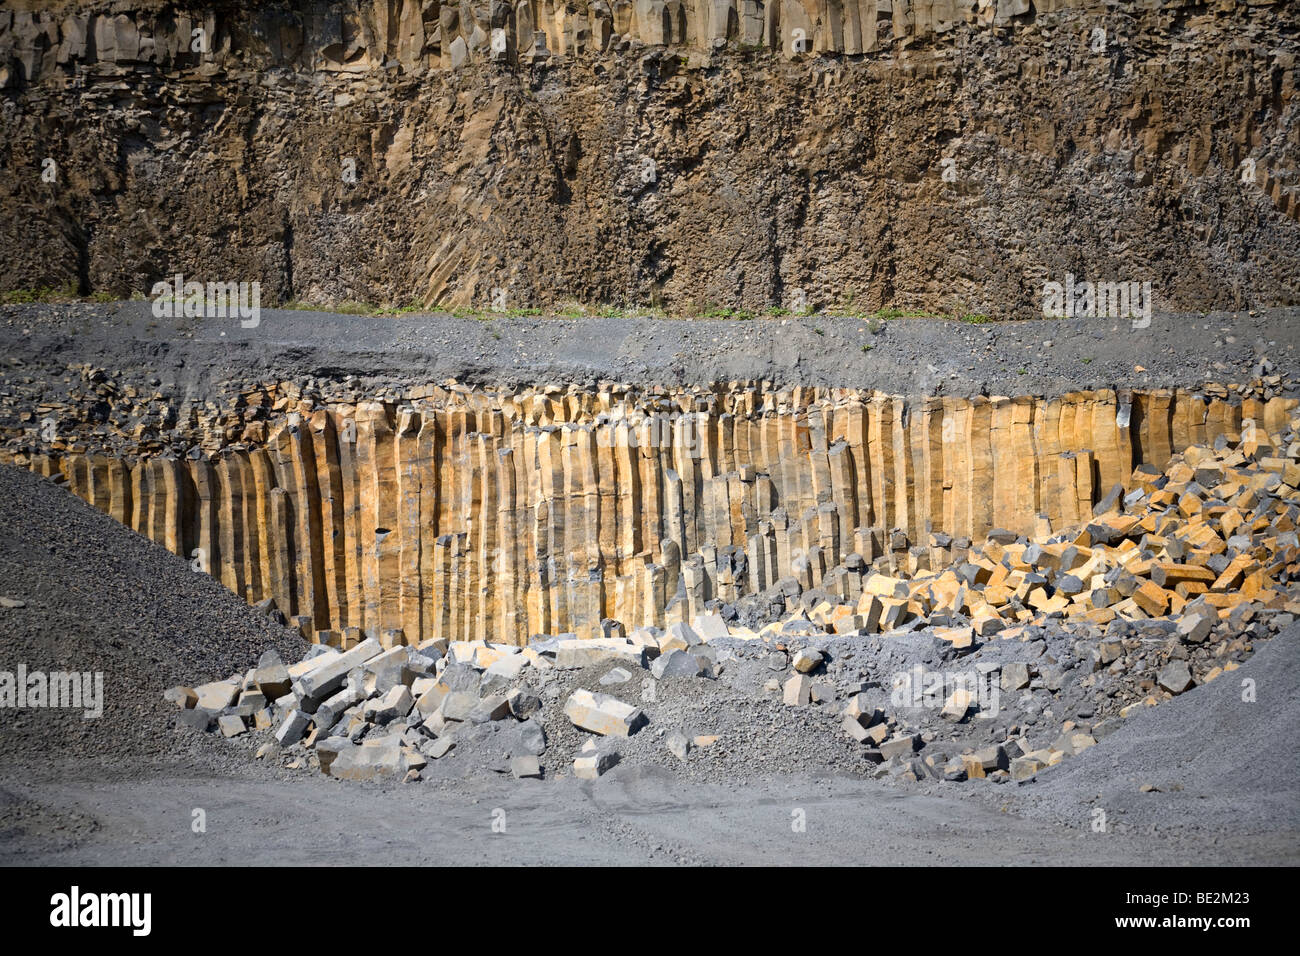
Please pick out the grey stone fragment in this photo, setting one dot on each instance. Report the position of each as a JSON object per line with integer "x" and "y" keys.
{"x": 489, "y": 709}
{"x": 1194, "y": 628}
{"x": 375, "y": 758}
{"x": 438, "y": 748}
{"x": 200, "y": 720}
{"x": 271, "y": 676}
{"x": 318, "y": 684}
{"x": 1015, "y": 675}
{"x": 807, "y": 660}
{"x": 532, "y": 738}
{"x": 461, "y": 676}
{"x": 898, "y": 746}
{"x": 992, "y": 758}
{"x": 329, "y": 713}
{"x": 328, "y": 749}
{"x": 182, "y": 697}
{"x": 523, "y": 703}
{"x": 231, "y": 725}
{"x": 526, "y": 765}
{"x": 854, "y": 729}
{"x": 1175, "y": 677}
{"x": 388, "y": 669}
{"x": 395, "y": 704}
{"x": 292, "y": 728}
{"x": 1024, "y": 768}
{"x": 678, "y": 745}
{"x": 676, "y": 664}
{"x": 458, "y": 705}
{"x": 590, "y": 764}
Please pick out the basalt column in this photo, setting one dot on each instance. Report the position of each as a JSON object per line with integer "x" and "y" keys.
{"x": 497, "y": 515}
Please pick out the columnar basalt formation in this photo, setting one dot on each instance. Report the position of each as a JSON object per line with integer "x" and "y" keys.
{"x": 1166, "y": 588}
{"x": 948, "y": 155}
{"x": 474, "y": 514}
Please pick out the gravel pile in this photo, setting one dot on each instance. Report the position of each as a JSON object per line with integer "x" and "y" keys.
{"x": 1224, "y": 758}
{"x": 94, "y": 596}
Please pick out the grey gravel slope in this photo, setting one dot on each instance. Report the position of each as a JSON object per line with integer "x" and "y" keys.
{"x": 100, "y": 597}
{"x": 1220, "y": 763}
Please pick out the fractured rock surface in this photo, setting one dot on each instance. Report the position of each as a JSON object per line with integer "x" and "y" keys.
{"x": 917, "y": 154}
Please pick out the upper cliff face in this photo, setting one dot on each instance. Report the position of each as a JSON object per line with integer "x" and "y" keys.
{"x": 928, "y": 154}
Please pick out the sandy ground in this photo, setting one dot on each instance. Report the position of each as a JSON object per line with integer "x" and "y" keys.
{"x": 633, "y": 818}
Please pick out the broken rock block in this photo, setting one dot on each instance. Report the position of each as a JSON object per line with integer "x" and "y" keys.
{"x": 182, "y": 697}
{"x": 602, "y": 714}
{"x": 1175, "y": 677}
{"x": 900, "y": 746}
{"x": 396, "y": 703}
{"x": 797, "y": 691}
{"x": 508, "y": 667}
{"x": 322, "y": 681}
{"x": 1194, "y": 628}
{"x": 525, "y": 765}
{"x": 496, "y": 707}
{"x": 231, "y": 725}
{"x": 292, "y": 728}
{"x": 532, "y": 738}
{"x": 679, "y": 637}
{"x": 385, "y": 671}
{"x": 590, "y": 764}
{"x": 855, "y": 730}
{"x": 861, "y": 710}
{"x": 376, "y": 758}
{"x": 678, "y": 663}
{"x": 327, "y": 750}
{"x": 581, "y": 653}
{"x": 957, "y": 706}
{"x": 197, "y": 719}
{"x": 272, "y": 677}
{"x": 437, "y": 748}
{"x": 679, "y": 745}
{"x": 807, "y": 660}
{"x": 328, "y": 713}
{"x": 710, "y": 627}
{"x": 991, "y": 758}
{"x": 216, "y": 696}
{"x": 522, "y": 703}
{"x": 1015, "y": 675}
{"x": 458, "y": 705}
{"x": 1023, "y": 768}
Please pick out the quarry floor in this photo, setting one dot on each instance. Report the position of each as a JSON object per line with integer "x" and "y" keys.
{"x": 902, "y": 356}
{"x": 1227, "y": 779}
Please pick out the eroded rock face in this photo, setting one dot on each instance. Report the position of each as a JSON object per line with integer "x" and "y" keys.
{"x": 942, "y": 155}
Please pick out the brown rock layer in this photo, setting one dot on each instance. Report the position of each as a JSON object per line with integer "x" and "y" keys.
{"x": 919, "y": 153}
